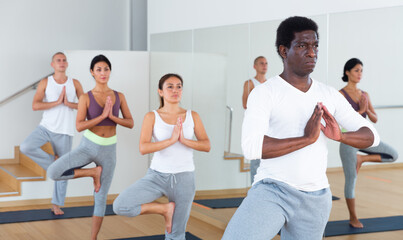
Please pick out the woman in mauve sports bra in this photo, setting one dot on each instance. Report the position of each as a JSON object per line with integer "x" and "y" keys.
{"x": 171, "y": 172}
{"x": 352, "y": 161}
{"x": 98, "y": 114}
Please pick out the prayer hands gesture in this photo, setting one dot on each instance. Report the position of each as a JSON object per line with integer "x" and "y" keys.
{"x": 62, "y": 98}
{"x": 332, "y": 129}
{"x": 363, "y": 103}
{"x": 107, "y": 108}
{"x": 314, "y": 126}
{"x": 177, "y": 133}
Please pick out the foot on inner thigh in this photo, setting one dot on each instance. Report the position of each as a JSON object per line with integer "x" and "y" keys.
{"x": 170, "y": 208}
{"x": 360, "y": 160}
{"x": 56, "y": 210}
{"x": 97, "y": 178}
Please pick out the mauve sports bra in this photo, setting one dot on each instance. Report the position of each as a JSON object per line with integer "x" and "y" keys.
{"x": 352, "y": 103}
{"x": 94, "y": 110}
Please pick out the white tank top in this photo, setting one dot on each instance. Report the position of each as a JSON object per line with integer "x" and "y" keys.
{"x": 255, "y": 82}
{"x": 177, "y": 157}
{"x": 59, "y": 119}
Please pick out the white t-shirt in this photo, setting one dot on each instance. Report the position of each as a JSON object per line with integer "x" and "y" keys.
{"x": 177, "y": 157}
{"x": 60, "y": 119}
{"x": 279, "y": 110}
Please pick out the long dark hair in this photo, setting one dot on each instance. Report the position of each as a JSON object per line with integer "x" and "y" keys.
{"x": 162, "y": 81}
{"x": 350, "y": 64}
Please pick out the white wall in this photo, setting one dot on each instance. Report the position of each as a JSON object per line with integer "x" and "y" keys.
{"x": 177, "y": 15}
{"x": 31, "y": 32}
{"x": 130, "y": 76}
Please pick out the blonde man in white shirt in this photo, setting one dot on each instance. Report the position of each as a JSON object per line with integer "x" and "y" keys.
{"x": 260, "y": 65}
{"x": 287, "y": 123}
{"x": 57, "y": 96}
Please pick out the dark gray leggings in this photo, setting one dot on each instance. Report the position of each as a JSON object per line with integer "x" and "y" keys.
{"x": 348, "y": 157}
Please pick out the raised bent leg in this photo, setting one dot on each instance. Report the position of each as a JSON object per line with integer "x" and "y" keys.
{"x": 136, "y": 199}
{"x": 260, "y": 217}
{"x": 31, "y": 147}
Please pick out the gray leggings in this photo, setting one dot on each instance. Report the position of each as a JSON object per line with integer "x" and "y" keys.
{"x": 348, "y": 157}
{"x": 254, "y": 165}
{"x": 84, "y": 154}
{"x": 61, "y": 144}
{"x": 178, "y": 187}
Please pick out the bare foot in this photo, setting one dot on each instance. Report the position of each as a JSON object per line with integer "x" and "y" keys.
{"x": 56, "y": 210}
{"x": 97, "y": 178}
{"x": 168, "y": 216}
{"x": 355, "y": 223}
{"x": 359, "y": 162}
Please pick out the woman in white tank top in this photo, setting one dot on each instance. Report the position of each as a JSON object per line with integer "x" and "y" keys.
{"x": 172, "y": 170}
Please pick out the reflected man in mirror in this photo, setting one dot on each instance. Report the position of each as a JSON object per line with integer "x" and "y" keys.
{"x": 260, "y": 65}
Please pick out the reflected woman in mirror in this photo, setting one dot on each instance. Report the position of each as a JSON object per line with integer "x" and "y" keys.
{"x": 171, "y": 172}
{"x": 352, "y": 161}
{"x": 98, "y": 114}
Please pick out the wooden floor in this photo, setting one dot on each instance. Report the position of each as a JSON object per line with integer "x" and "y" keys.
{"x": 379, "y": 193}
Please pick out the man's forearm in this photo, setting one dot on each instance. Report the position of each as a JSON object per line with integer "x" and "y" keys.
{"x": 274, "y": 147}
{"x": 362, "y": 138}
{"x": 44, "y": 105}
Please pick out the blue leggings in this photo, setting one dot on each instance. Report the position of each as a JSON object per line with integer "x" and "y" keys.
{"x": 84, "y": 154}
{"x": 348, "y": 157}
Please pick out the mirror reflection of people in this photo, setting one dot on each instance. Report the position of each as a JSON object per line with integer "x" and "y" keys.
{"x": 260, "y": 65}
{"x": 171, "y": 172}
{"x": 57, "y": 96}
{"x": 98, "y": 115}
{"x": 360, "y": 101}
{"x": 282, "y": 126}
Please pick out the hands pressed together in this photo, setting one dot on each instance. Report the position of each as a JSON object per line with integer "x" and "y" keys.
{"x": 63, "y": 98}
{"x": 177, "y": 134}
{"x": 108, "y": 108}
{"x": 314, "y": 125}
{"x": 363, "y": 103}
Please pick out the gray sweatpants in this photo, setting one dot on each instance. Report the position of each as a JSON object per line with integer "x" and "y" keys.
{"x": 84, "y": 154}
{"x": 348, "y": 157}
{"x": 178, "y": 187}
{"x": 272, "y": 206}
{"x": 61, "y": 144}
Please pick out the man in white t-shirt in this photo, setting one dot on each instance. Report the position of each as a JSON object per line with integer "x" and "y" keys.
{"x": 57, "y": 96}
{"x": 260, "y": 65}
{"x": 287, "y": 123}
